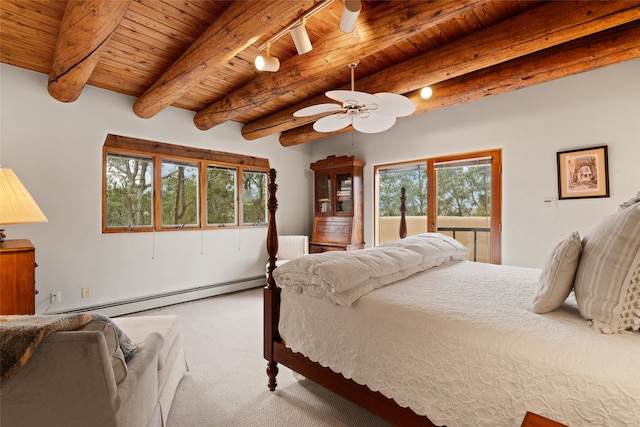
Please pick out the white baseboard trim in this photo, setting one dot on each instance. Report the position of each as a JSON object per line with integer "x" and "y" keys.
{"x": 119, "y": 308}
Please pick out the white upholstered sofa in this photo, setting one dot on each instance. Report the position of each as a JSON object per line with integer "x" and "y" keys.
{"x": 80, "y": 378}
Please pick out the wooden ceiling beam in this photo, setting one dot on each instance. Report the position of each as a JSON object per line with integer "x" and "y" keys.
{"x": 84, "y": 30}
{"x": 609, "y": 47}
{"x": 241, "y": 24}
{"x": 548, "y": 25}
{"x": 389, "y": 23}
{"x": 613, "y": 46}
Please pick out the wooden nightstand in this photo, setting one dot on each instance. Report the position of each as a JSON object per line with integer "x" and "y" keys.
{"x": 535, "y": 420}
{"x": 17, "y": 277}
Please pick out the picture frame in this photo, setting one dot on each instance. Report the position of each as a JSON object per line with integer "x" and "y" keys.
{"x": 583, "y": 173}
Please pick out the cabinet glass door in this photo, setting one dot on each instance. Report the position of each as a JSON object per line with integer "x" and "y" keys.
{"x": 323, "y": 194}
{"x": 344, "y": 196}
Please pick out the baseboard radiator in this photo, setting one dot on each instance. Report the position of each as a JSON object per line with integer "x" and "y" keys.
{"x": 133, "y": 305}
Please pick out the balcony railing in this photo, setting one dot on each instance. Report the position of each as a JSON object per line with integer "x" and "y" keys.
{"x": 472, "y": 232}
{"x": 475, "y": 232}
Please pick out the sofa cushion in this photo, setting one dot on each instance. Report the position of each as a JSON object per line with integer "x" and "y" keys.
{"x": 21, "y": 334}
{"x": 113, "y": 345}
{"x": 138, "y": 327}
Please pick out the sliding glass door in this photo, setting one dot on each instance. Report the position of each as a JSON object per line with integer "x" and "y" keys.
{"x": 412, "y": 177}
{"x": 458, "y": 195}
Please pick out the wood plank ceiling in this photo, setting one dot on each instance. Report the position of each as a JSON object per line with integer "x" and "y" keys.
{"x": 199, "y": 54}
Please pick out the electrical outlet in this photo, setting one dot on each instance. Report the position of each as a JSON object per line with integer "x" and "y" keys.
{"x": 56, "y": 297}
{"x": 86, "y": 292}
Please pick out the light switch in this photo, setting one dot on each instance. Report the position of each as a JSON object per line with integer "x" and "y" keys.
{"x": 550, "y": 202}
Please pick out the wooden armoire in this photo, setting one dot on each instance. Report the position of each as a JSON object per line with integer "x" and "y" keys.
{"x": 338, "y": 204}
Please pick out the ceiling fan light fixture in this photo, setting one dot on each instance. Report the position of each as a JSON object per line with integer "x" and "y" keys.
{"x": 301, "y": 38}
{"x": 350, "y": 13}
{"x": 365, "y": 112}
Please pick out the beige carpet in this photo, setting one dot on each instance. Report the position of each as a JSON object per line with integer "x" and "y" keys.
{"x": 227, "y": 382}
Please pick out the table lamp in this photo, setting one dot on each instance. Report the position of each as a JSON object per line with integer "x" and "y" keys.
{"x": 16, "y": 204}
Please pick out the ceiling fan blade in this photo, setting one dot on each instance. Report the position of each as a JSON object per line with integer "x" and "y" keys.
{"x": 392, "y": 104}
{"x": 374, "y": 123}
{"x": 352, "y": 97}
{"x": 317, "y": 109}
{"x": 332, "y": 123}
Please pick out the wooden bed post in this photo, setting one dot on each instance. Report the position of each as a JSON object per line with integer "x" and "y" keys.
{"x": 403, "y": 210}
{"x": 271, "y": 291}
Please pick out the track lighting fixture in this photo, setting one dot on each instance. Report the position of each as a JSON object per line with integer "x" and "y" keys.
{"x": 298, "y": 30}
{"x": 301, "y": 38}
{"x": 298, "y": 33}
{"x": 350, "y": 13}
{"x": 267, "y": 62}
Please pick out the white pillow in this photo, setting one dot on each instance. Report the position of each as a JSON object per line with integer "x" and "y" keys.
{"x": 603, "y": 285}
{"x": 558, "y": 272}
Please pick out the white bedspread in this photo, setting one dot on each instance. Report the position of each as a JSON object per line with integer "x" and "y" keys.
{"x": 459, "y": 344}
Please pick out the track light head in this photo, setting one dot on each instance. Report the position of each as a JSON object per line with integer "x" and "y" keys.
{"x": 301, "y": 38}
{"x": 267, "y": 63}
{"x": 350, "y": 13}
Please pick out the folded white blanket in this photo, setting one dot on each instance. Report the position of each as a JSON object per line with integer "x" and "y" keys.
{"x": 343, "y": 277}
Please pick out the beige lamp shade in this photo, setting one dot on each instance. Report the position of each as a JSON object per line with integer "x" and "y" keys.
{"x": 16, "y": 204}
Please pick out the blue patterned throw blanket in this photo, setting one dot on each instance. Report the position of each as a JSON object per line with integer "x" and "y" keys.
{"x": 21, "y": 334}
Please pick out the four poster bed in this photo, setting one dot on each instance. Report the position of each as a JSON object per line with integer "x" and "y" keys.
{"x": 416, "y": 334}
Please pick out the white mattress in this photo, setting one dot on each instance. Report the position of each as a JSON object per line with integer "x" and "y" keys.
{"x": 459, "y": 344}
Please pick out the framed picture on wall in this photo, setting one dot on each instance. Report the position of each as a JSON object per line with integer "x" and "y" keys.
{"x": 583, "y": 173}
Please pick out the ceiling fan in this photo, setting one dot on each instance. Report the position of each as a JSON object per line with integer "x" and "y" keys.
{"x": 367, "y": 113}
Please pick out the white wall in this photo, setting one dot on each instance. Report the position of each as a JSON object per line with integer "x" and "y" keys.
{"x": 531, "y": 125}
{"x": 56, "y": 151}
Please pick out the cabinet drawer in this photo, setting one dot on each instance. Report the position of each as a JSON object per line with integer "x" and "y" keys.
{"x": 332, "y": 229}
{"x": 318, "y": 248}
{"x": 17, "y": 277}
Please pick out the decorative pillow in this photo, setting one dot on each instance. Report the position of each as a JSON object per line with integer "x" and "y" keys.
{"x": 118, "y": 363}
{"x": 631, "y": 307}
{"x": 558, "y": 272}
{"x": 603, "y": 283}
